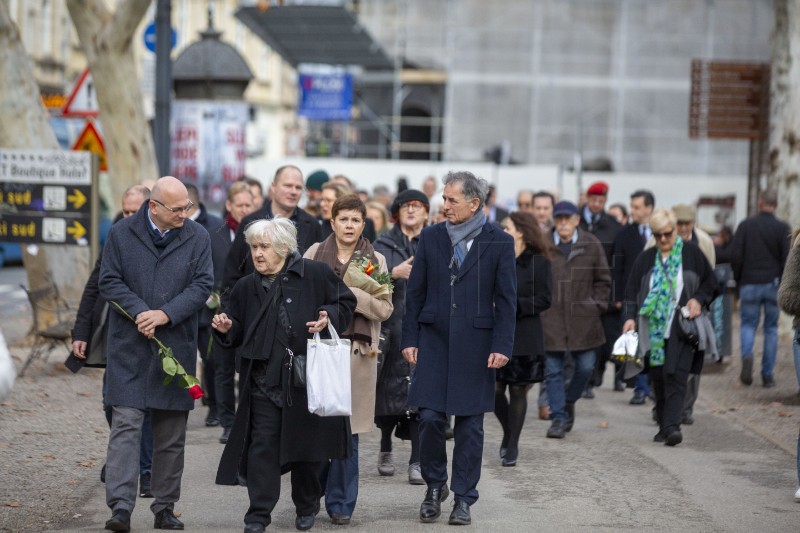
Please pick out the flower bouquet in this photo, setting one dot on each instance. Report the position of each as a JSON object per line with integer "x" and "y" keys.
{"x": 172, "y": 366}
{"x": 363, "y": 274}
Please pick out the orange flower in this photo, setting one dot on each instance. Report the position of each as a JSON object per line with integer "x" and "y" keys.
{"x": 369, "y": 269}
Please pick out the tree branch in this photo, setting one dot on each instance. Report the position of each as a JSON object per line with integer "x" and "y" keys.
{"x": 88, "y": 17}
{"x": 124, "y": 22}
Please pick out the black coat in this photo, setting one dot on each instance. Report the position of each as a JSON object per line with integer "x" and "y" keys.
{"x": 394, "y": 372}
{"x": 627, "y": 247}
{"x": 89, "y": 318}
{"x": 533, "y": 296}
{"x": 211, "y": 223}
{"x": 239, "y": 264}
{"x": 759, "y": 249}
{"x": 308, "y": 288}
{"x": 696, "y": 272}
{"x": 605, "y": 229}
{"x": 221, "y": 242}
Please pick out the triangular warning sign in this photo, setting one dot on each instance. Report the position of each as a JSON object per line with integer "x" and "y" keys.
{"x": 90, "y": 141}
{"x": 82, "y": 102}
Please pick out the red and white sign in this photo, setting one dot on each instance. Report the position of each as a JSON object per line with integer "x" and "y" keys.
{"x": 82, "y": 102}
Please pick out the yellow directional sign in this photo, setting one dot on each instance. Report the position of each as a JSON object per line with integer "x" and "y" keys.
{"x": 77, "y": 198}
{"x": 76, "y": 230}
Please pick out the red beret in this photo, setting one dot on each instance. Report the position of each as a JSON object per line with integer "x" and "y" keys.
{"x": 598, "y": 188}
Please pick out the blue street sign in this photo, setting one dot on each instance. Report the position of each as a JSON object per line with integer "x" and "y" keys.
{"x": 150, "y": 37}
{"x": 326, "y": 96}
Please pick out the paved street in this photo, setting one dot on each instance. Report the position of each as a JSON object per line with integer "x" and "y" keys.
{"x": 735, "y": 470}
{"x": 722, "y": 478}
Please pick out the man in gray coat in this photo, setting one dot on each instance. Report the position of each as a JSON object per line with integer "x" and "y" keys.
{"x": 157, "y": 267}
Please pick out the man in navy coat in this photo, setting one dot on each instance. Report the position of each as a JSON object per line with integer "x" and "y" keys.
{"x": 157, "y": 267}
{"x": 458, "y": 328}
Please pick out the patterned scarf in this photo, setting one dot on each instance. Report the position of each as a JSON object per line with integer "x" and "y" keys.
{"x": 661, "y": 299}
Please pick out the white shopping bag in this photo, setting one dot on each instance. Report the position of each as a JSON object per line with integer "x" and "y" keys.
{"x": 7, "y": 370}
{"x": 328, "y": 375}
{"x": 625, "y": 352}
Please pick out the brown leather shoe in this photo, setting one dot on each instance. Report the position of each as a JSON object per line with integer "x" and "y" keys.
{"x": 544, "y": 412}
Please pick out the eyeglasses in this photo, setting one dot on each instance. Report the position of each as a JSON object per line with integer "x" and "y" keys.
{"x": 411, "y": 206}
{"x": 663, "y": 234}
{"x": 175, "y": 210}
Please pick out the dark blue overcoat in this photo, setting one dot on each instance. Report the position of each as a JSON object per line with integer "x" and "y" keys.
{"x": 178, "y": 281}
{"x": 457, "y": 324}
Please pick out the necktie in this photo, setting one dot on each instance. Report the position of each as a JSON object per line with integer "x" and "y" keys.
{"x": 643, "y": 234}
{"x": 459, "y": 254}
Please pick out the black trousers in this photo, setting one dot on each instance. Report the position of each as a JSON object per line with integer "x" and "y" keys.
{"x": 670, "y": 391}
{"x": 612, "y": 329}
{"x": 264, "y": 467}
{"x": 203, "y": 336}
{"x": 224, "y": 378}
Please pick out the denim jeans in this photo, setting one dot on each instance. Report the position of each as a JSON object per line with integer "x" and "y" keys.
{"x": 796, "y": 347}
{"x": 752, "y": 298}
{"x": 642, "y": 384}
{"x": 340, "y": 480}
{"x": 554, "y": 380}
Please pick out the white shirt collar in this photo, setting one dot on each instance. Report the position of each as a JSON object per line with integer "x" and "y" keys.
{"x": 558, "y": 239}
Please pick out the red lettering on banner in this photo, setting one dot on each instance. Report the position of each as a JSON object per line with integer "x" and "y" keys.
{"x": 185, "y": 134}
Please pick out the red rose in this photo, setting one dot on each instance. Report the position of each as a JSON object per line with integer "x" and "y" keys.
{"x": 369, "y": 269}
{"x": 196, "y": 392}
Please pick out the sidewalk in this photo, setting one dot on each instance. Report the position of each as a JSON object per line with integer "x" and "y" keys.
{"x": 735, "y": 470}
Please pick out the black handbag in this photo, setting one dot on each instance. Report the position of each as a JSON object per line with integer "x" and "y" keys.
{"x": 297, "y": 364}
{"x": 688, "y": 331}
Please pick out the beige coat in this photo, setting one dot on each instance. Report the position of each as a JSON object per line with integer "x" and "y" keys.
{"x": 363, "y": 357}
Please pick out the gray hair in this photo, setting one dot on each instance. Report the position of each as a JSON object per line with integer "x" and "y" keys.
{"x": 471, "y": 185}
{"x": 280, "y": 231}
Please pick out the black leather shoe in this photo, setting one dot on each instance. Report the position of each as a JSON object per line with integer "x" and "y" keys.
{"x": 674, "y": 438}
{"x": 556, "y": 430}
{"x": 120, "y": 521}
{"x": 226, "y": 434}
{"x": 339, "y": 519}
{"x": 460, "y": 514}
{"x": 660, "y": 437}
{"x": 304, "y": 523}
{"x": 687, "y": 419}
{"x": 144, "y": 486}
{"x": 746, "y": 375}
{"x": 103, "y": 474}
{"x": 619, "y": 385}
{"x": 570, "y": 421}
{"x": 212, "y": 421}
{"x": 769, "y": 382}
{"x": 638, "y": 398}
{"x": 166, "y": 519}
{"x": 254, "y": 527}
{"x": 510, "y": 458}
{"x": 431, "y": 507}
{"x": 588, "y": 393}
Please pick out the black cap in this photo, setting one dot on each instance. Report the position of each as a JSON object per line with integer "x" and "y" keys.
{"x": 409, "y": 195}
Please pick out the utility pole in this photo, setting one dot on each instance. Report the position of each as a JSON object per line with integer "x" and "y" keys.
{"x": 161, "y": 134}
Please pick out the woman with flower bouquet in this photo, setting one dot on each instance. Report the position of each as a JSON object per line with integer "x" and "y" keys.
{"x": 269, "y": 317}
{"x": 363, "y": 270}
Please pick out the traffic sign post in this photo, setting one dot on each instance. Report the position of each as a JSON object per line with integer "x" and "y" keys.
{"x": 49, "y": 197}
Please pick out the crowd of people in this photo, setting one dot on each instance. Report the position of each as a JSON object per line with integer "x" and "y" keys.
{"x": 484, "y": 305}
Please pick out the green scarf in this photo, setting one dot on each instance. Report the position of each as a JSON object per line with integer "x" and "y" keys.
{"x": 661, "y": 299}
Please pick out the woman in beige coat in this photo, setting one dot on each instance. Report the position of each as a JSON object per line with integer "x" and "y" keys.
{"x": 337, "y": 251}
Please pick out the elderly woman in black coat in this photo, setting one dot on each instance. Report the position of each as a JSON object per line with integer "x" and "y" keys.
{"x": 526, "y": 367}
{"x": 270, "y": 316}
{"x": 671, "y": 278}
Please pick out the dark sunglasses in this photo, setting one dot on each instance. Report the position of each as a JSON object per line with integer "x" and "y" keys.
{"x": 663, "y": 234}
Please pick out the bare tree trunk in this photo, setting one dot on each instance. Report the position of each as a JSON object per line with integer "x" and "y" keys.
{"x": 784, "y": 153}
{"x": 106, "y": 39}
{"x": 24, "y": 124}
